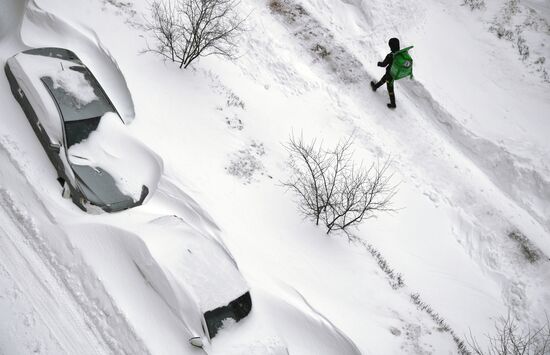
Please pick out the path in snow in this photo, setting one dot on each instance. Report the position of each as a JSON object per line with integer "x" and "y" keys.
{"x": 67, "y": 307}
{"x": 500, "y": 193}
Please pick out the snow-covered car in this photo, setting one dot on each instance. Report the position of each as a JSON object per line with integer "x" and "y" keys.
{"x": 97, "y": 162}
{"x": 201, "y": 271}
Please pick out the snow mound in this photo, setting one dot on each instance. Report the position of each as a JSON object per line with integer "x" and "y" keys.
{"x": 11, "y": 15}
{"x": 74, "y": 83}
{"x": 164, "y": 317}
{"x": 196, "y": 260}
{"x": 295, "y": 327}
{"x": 126, "y": 159}
{"x": 56, "y": 32}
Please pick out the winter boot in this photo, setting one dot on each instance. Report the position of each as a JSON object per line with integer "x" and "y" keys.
{"x": 374, "y": 85}
{"x": 392, "y": 101}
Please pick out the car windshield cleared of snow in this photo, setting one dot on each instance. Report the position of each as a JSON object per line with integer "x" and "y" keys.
{"x": 80, "y": 116}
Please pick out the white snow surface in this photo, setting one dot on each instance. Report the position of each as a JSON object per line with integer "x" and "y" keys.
{"x": 74, "y": 83}
{"x": 468, "y": 141}
{"x": 195, "y": 260}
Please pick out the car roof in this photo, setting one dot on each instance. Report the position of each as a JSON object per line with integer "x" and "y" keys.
{"x": 197, "y": 259}
{"x": 72, "y": 86}
{"x": 38, "y": 97}
{"x": 55, "y": 52}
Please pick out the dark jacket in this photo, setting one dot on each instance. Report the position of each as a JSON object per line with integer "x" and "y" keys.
{"x": 387, "y": 62}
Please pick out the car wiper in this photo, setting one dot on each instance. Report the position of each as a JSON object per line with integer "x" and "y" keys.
{"x": 98, "y": 171}
{"x": 74, "y": 159}
{"x": 79, "y": 157}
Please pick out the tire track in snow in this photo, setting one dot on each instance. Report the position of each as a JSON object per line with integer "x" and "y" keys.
{"x": 36, "y": 314}
{"x": 84, "y": 305}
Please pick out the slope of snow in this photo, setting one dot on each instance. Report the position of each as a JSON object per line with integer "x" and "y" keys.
{"x": 111, "y": 148}
{"x": 468, "y": 142}
{"x": 56, "y": 302}
{"x": 45, "y": 29}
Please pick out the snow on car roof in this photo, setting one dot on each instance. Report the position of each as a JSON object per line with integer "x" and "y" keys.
{"x": 74, "y": 83}
{"x": 195, "y": 259}
{"x": 38, "y": 96}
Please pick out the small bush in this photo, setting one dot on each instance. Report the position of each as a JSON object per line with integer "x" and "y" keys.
{"x": 510, "y": 339}
{"x": 474, "y": 4}
{"x": 395, "y": 278}
{"x": 443, "y": 325}
{"x": 320, "y": 50}
{"x": 333, "y": 189}
{"x": 523, "y": 48}
{"x": 528, "y": 250}
{"x": 247, "y": 163}
{"x": 184, "y": 30}
{"x": 291, "y": 11}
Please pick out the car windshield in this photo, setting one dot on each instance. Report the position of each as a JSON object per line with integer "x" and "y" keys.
{"x": 77, "y": 94}
{"x": 236, "y": 310}
{"x": 80, "y": 100}
{"x": 77, "y": 131}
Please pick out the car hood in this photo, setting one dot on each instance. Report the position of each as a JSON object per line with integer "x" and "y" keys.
{"x": 99, "y": 187}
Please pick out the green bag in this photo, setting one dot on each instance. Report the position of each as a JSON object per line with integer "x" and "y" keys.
{"x": 402, "y": 65}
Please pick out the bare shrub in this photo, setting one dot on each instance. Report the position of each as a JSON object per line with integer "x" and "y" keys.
{"x": 332, "y": 188}
{"x": 510, "y": 339}
{"x": 474, "y": 4}
{"x": 291, "y": 11}
{"x": 184, "y": 30}
{"x": 443, "y": 326}
{"x": 247, "y": 163}
{"x": 320, "y": 50}
{"x": 528, "y": 249}
{"x": 396, "y": 279}
{"x": 523, "y": 48}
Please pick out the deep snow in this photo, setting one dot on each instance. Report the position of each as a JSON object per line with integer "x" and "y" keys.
{"x": 469, "y": 146}
{"x": 111, "y": 148}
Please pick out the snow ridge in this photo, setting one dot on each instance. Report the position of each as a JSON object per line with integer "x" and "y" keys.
{"x": 62, "y": 261}
{"x": 57, "y": 32}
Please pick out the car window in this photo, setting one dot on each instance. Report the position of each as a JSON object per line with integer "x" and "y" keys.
{"x": 62, "y": 53}
{"x": 77, "y": 131}
{"x": 71, "y": 104}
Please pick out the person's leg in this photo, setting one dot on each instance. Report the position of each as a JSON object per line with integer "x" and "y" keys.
{"x": 391, "y": 93}
{"x": 375, "y": 86}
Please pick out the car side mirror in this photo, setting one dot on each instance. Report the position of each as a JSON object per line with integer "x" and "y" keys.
{"x": 196, "y": 341}
{"x": 56, "y": 147}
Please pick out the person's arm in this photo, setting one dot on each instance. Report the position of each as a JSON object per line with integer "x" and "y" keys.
{"x": 387, "y": 61}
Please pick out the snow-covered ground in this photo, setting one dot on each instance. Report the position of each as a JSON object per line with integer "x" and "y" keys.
{"x": 468, "y": 141}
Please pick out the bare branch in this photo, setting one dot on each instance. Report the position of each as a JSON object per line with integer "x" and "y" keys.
{"x": 510, "y": 339}
{"x": 331, "y": 188}
{"x": 184, "y": 30}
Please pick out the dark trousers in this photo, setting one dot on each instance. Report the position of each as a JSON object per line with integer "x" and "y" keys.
{"x": 389, "y": 83}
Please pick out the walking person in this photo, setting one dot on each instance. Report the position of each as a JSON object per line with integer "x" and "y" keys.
{"x": 387, "y": 78}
